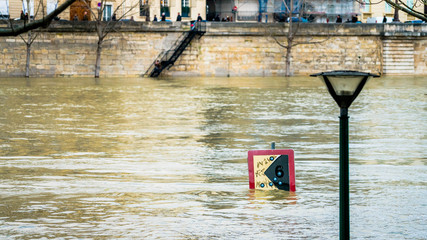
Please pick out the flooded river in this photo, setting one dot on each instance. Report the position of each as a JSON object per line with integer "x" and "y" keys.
{"x": 167, "y": 158}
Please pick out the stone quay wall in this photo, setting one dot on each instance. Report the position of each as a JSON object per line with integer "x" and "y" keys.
{"x": 227, "y": 49}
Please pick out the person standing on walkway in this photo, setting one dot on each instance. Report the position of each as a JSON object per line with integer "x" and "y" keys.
{"x": 234, "y": 11}
{"x": 339, "y": 19}
{"x": 157, "y": 66}
{"x": 85, "y": 16}
{"x": 163, "y": 17}
{"x": 178, "y": 18}
{"x": 199, "y": 18}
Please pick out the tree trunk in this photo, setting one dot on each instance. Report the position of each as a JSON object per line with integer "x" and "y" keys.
{"x": 27, "y": 65}
{"x": 289, "y": 39}
{"x": 396, "y": 13}
{"x": 288, "y": 61}
{"x": 98, "y": 58}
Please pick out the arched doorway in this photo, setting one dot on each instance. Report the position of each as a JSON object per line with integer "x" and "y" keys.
{"x": 78, "y": 8}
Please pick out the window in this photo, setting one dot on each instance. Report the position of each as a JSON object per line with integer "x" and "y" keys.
{"x": 185, "y": 8}
{"x": 4, "y": 9}
{"x": 107, "y": 12}
{"x": 164, "y": 7}
{"x": 144, "y": 8}
{"x": 185, "y": 3}
{"x": 387, "y": 8}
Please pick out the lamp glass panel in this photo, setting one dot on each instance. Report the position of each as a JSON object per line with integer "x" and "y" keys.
{"x": 345, "y": 85}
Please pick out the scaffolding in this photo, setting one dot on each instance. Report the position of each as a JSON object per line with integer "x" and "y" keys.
{"x": 278, "y": 10}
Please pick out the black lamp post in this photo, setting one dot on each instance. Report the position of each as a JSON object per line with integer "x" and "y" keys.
{"x": 344, "y": 87}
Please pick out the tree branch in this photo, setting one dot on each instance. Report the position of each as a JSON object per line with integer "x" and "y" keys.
{"x": 411, "y": 9}
{"x": 406, "y": 10}
{"x": 402, "y": 6}
{"x": 44, "y": 22}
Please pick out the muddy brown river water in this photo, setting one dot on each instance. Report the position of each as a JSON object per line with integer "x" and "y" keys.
{"x": 166, "y": 158}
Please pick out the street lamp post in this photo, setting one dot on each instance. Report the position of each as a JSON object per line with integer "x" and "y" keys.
{"x": 344, "y": 87}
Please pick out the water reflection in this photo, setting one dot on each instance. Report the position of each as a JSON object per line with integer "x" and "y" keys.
{"x": 166, "y": 159}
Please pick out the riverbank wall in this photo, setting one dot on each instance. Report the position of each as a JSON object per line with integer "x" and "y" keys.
{"x": 226, "y": 49}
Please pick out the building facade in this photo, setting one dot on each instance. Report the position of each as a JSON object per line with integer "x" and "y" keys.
{"x": 376, "y": 12}
{"x": 188, "y": 9}
{"x": 223, "y": 10}
{"x": 320, "y": 11}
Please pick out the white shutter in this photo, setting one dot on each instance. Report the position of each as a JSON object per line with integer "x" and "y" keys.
{"x": 31, "y": 8}
{"x": 51, "y": 6}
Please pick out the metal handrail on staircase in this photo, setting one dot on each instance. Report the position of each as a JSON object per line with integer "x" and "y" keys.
{"x": 167, "y": 58}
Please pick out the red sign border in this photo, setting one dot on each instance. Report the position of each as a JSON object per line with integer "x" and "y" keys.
{"x": 288, "y": 152}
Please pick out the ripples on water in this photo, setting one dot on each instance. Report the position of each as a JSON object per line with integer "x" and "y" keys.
{"x": 166, "y": 159}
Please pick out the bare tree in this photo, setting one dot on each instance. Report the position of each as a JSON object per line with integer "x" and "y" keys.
{"x": 403, "y": 6}
{"x": 31, "y": 36}
{"x": 15, "y": 29}
{"x": 105, "y": 24}
{"x": 293, "y": 8}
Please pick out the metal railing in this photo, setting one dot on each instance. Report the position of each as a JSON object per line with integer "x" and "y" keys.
{"x": 199, "y": 27}
{"x": 230, "y": 16}
{"x": 168, "y": 58}
{"x": 247, "y": 15}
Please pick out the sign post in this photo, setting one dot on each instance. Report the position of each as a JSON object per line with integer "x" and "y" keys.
{"x": 271, "y": 169}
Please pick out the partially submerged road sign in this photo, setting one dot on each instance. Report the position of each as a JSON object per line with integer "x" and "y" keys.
{"x": 271, "y": 169}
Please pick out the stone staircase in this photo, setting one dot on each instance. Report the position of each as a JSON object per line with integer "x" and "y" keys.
{"x": 398, "y": 56}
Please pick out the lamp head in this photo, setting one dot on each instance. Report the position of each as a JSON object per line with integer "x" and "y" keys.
{"x": 344, "y": 86}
